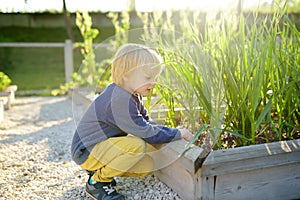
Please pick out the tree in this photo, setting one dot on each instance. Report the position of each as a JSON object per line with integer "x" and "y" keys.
{"x": 131, "y": 5}
{"x": 67, "y": 21}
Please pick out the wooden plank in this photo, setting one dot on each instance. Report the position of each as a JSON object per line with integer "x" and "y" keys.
{"x": 254, "y": 151}
{"x": 5, "y": 97}
{"x": 4, "y": 93}
{"x": 192, "y": 159}
{"x": 68, "y": 55}
{"x": 31, "y": 44}
{"x": 182, "y": 173}
{"x": 1, "y": 110}
{"x": 12, "y": 89}
{"x": 208, "y": 187}
{"x": 81, "y": 99}
{"x": 182, "y": 181}
{"x": 44, "y": 44}
{"x": 252, "y": 157}
{"x": 268, "y": 171}
{"x": 276, "y": 183}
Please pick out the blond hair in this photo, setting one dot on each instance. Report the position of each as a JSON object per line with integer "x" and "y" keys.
{"x": 131, "y": 56}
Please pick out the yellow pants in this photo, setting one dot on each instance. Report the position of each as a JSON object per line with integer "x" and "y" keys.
{"x": 120, "y": 156}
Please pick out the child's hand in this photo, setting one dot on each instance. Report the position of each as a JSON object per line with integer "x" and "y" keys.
{"x": 186, "y": 134}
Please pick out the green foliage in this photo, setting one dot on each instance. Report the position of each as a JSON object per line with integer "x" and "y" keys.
{"x": 87, "y": 75}
{"x": 256, "y": 68}
{"x": 91, "y": 72}
{"x": 242, "y": 79}
{"x": 4, "y": 81}
{"x": 225, "y": 76}
{"x": 121, "y": 23}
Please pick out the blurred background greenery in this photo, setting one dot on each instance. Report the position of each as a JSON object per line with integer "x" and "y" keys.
{"x": 43, "y": 68}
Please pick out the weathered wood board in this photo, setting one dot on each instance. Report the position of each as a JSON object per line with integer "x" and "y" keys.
{"x": 81, "y": 100}
{"x": 182, "y": 175}
{"x": 266, "y": 171}
{"x": 12, "y": 89}
{"x": 1, "y": 110}
{"x": 4, "y": 97}
{"x": 8, "y": 96}
{"x": 185, "y": 183}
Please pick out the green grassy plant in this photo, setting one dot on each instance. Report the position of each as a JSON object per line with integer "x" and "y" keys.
{"x": 286, "y": 82}
{"x": 254, "y": 68}
{"x": 242, "y": 79}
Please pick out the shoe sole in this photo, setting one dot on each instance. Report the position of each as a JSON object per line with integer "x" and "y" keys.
{"x": 94, "y": 198}
{"x": 91, "y": 196}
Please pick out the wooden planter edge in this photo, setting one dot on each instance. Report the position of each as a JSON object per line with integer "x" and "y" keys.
{"x": 262, "y": 171}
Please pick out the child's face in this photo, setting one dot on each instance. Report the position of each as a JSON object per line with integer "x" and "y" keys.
{"x": 137, "y": 81}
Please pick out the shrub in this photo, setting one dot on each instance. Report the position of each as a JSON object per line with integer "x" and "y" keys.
{"x": 4, "y": 81}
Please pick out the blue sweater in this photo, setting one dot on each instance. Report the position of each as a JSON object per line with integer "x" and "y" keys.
{"x": 116, "y": 112}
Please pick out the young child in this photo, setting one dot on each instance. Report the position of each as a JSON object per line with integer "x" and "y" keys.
{"x": 114, "y": 137}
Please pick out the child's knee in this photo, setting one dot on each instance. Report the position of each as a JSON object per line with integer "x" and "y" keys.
{"x": 139, "y": 145}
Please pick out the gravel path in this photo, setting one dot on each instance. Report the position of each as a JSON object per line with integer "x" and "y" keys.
{"x": 35, "y": 162}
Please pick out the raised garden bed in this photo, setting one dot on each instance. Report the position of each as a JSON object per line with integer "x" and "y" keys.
{"x": 264, "y": 171}
{"x": 7, "y": 96}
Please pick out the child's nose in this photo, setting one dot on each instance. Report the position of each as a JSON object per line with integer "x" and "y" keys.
{"x": 153, "y": 83}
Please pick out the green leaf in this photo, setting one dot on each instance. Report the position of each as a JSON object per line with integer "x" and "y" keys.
{"x": 293, "y": 126}
{"x": 237, "y": 135}
{"x": 262, "y": 115}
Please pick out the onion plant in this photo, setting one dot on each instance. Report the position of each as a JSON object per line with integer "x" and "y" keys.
{"x": 286, "y": 82}
{"x": 191, "y": 80}
{"x": 241, "y": 77}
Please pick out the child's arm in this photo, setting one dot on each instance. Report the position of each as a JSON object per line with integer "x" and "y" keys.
{"x": 185, "y": 133}
{"x": 128, "y": 118}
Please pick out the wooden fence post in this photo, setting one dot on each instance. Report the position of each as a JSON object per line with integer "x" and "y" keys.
{"x": 68, "y": 60}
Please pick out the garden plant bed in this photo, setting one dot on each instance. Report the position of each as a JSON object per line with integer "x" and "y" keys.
{"x": 7, "y": 96}
{"x": 262, "y": 171}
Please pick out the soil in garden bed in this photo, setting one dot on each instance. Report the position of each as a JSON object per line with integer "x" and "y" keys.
{"x": 230, "y": 141}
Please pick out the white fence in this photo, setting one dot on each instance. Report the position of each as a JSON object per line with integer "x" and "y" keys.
{"x": 68, "y": 53}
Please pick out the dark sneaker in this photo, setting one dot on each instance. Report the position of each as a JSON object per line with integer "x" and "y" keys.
{"x": 102, "y": 191}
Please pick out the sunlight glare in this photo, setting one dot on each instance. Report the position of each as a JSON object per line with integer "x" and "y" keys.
{"x": 202, "y": 5}
{"x": 118, "y": 5}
